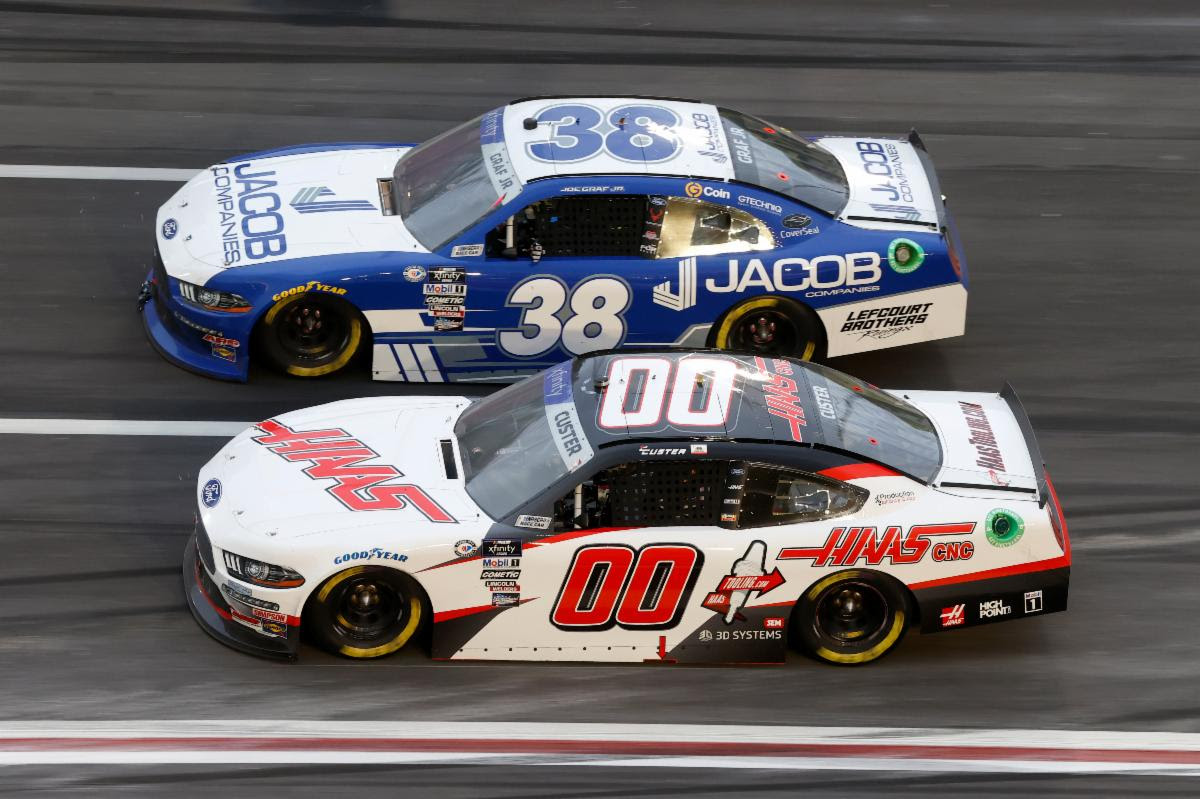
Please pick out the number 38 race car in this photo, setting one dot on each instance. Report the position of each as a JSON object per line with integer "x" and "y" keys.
{"x": 549, "y": 228}
{"x": 664, "y": 505}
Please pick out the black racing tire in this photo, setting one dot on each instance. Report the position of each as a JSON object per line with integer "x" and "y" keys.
{"x": 851, "y": 618}
{"x": 770, "y": 326}
{"x": 311, "y": 334}
{"x": 366, "y": 612}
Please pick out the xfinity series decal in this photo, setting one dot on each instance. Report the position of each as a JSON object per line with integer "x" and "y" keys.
{"x": 846, "y": 546}
{"x": 336, "y": 455}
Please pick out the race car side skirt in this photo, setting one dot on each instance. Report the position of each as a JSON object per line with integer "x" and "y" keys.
{"x": 1006, "y": 597}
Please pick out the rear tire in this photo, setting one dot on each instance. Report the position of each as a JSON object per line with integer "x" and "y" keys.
{"x": 850, "y": 618}
{"x": 770, "y": 326}
{"x": 366, "y": 612}
{"x": 311, "y": 334}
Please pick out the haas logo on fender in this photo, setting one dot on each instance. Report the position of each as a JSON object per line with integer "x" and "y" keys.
{"x": 338, "y": 456}
{"x": 849, "y": 545}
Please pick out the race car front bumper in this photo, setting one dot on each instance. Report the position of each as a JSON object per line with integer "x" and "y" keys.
{"x": 179, "y": 336}
{"x": 232, "y": 626}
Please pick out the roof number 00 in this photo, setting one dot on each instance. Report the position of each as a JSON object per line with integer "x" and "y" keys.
{"x": 702, "y": 392}
{"x": 639, "y": 133}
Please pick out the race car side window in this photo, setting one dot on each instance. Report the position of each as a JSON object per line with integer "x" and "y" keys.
{"x": 654, "y": 493}
{"x": 574, "y": 226}
{"x": 697, "y": 227}
{"x": 773, "y": 496}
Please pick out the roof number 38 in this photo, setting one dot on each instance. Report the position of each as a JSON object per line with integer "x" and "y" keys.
{"x": 637, "y": 133}
{"x": 594, "y": 319}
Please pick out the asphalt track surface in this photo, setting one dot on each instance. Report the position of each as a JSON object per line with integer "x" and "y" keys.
{"x": 1067, "y": 137}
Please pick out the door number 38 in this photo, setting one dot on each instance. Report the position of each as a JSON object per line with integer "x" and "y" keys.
{"x": 593, "y": 320}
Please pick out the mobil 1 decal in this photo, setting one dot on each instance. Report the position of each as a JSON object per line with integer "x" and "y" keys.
{"x": 615, "y": 585}
{"x": 445, "y": 293}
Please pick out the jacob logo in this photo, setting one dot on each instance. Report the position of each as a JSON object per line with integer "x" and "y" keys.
{"x": 686, "y": 296}
{"x": 905, "y": 212}
{"x": 308, "y": 201}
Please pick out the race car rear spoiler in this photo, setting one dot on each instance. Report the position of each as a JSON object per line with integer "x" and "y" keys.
{"x": 1009, "y": 395}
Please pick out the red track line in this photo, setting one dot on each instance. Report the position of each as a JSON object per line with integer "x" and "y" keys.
{"x": 601, "y": 747}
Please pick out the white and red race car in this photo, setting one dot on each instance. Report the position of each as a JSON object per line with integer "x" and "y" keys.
{"x": 680, "y": 506}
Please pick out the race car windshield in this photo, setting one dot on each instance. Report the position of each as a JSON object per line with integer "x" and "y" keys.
{"x": 510, "y": 451}
{"x": 769, "y": 156}
{"x": 442, "y": 186}
{"x": 871, "y": 423}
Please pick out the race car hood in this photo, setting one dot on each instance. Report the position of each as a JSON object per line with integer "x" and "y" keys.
{"x": 280, "y": 207}
{"x": 982, "y": 442}
{"x": 361, "y": 452}
{"x": 889, "y": 183}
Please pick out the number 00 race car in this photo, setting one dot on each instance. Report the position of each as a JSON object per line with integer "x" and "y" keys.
{"x": 550, "y": 228}
{"x": 660, "y": 505}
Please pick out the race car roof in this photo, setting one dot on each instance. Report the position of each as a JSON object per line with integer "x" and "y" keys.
{"x": 615, "y": 135}
{"x": 711, "y": 395}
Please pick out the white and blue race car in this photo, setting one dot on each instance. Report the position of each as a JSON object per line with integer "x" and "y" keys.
{"x": 553, "y": 227}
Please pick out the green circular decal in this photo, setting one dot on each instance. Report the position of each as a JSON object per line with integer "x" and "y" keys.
{"x": 1004, "y": 528}
{"x": 905, "y": 255}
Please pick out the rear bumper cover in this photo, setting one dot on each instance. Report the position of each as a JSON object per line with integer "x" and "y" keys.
{"x": 993, "y": 599}
{"x": 217, "y": 617}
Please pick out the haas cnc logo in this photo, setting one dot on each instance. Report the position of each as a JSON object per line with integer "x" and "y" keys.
{"x": 336, "y": 455}
{"x": 954, "y": 616}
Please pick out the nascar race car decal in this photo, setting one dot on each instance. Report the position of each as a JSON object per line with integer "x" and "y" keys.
{"x": 550, "y": 228}
{"x": 667, "y": 505}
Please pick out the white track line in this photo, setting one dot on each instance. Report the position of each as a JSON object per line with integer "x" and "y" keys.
{"x": 119, "y": 427}
{"x": 95, "y": 172}
{"x": 641, "y": 745}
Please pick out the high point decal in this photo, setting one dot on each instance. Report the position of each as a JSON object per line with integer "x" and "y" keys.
{"x": 338, "y": 456}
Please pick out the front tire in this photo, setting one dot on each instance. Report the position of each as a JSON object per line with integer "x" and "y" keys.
{"x": 850, "y": 618}
{"x": 311, "y": 334}
{"x": 365, "y": 612}
{"x": 770, "y": 326}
